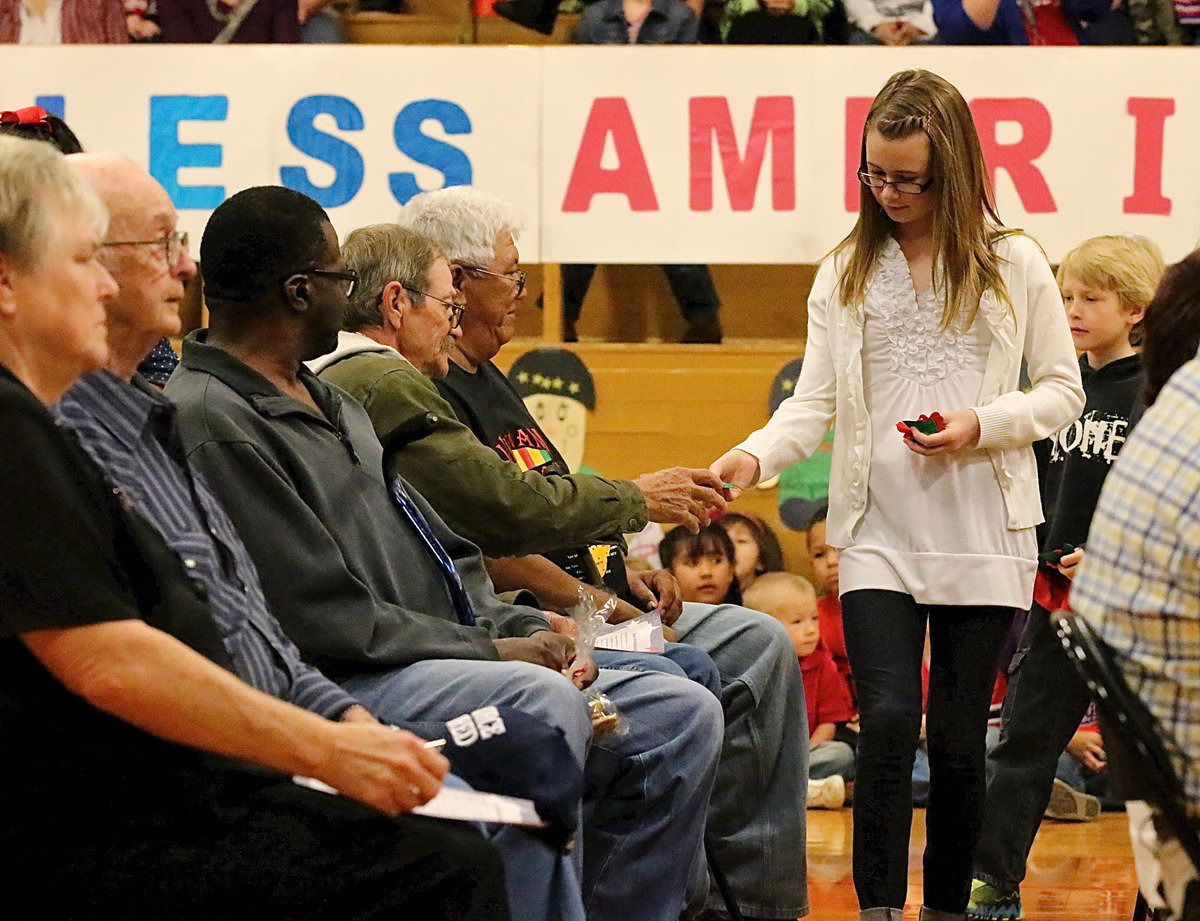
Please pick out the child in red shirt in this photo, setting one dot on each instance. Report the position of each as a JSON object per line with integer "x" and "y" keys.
{"x": 825, "y": 567}
{"x": 792, "y": 601}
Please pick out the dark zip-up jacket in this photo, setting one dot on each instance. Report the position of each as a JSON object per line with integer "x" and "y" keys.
{"x": 350, "y": 580}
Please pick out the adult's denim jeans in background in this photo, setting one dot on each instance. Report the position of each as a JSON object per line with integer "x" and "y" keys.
{"x": 756, "y": 818}
{"x": 1045, "y": 702}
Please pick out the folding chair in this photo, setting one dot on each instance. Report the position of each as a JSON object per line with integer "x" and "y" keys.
{"x": 1139, "y": 753}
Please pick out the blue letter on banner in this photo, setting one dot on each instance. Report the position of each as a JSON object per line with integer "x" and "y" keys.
{"x": 346, "y": 161}
{"x": 54, "y": 105}
{"x": 445, "y": 158}
{"x": 168, "y": 155}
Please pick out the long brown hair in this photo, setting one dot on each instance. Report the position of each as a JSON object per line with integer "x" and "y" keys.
{"x": 965, "y": 223}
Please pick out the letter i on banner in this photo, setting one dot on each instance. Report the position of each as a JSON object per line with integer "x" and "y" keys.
{"x": 1149, "y": 139}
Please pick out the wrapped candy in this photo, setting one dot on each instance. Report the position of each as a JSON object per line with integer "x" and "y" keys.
{"x": 590, "y": 616}
{"x": 926, "y": 425}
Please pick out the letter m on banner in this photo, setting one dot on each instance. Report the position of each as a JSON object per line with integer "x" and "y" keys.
{"x": 774, "y": 119}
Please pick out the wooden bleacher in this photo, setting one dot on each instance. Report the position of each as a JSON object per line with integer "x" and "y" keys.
{"x": 664, "y": 404}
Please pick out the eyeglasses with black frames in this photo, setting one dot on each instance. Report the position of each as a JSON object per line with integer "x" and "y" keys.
{"x": 349, "y": 276}
{"x": 903, "y": 186}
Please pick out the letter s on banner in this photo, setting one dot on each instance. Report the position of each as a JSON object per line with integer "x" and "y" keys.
{"x": 774, "y": 118}
{"x": 631, "y": 178}
{"x": 307, "y": 138}
{"x": 168, "y": 155}
{"x": 449, "y": 160}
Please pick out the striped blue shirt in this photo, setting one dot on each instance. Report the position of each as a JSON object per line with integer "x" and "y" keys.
{"x": 129, "y": 430}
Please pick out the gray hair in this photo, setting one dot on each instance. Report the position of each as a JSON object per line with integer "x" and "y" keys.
{"x": 383, "y": 253}
{"x": 466, "y": 222}
{"x": 35, "y": 179}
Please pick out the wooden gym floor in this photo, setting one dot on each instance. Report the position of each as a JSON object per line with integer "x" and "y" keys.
{"x": 1077, "y": 871}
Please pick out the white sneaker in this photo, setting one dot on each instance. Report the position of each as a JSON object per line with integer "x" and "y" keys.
{"x": 829, "y": 793}
{"x": 1069, "y": 805}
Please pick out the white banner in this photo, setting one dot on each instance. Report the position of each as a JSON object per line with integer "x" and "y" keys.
{"x": 633, "y": 154}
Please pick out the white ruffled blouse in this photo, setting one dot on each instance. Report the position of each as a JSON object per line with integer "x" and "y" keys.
{"x": 933, "y": 527}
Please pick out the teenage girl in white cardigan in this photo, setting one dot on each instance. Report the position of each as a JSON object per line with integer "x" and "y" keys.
{"x": 929, "y": 305}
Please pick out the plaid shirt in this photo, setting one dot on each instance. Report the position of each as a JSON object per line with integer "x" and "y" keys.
{"x": 1139, "y": 583}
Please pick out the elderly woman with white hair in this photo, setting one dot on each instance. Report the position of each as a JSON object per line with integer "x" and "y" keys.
{"x": 139, "y": 779}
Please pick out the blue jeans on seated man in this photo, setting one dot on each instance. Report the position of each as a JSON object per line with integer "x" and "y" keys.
{"x": 756, "y": 819}
{"x": 647, "y": 789}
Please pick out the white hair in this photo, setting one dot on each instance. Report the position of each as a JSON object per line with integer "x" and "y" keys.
{"x": 465, "y": 223}
{"x": 34, "y": 180}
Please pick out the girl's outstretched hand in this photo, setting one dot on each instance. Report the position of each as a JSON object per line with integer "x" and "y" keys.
{"x": 961, "y": 432}
{"x": 737, "y": 470}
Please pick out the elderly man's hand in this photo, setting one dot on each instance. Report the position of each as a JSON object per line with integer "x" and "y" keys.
{"x": 681, "y": 495}
{"x": 551, "y": 650}
{"x": 660, "y": 592}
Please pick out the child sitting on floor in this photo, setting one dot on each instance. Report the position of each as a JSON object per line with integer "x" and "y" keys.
{"x": 703, "y": 564}
{"x": 825, "y": 567}
{"x": 792, "y": 601}
{"x": 755, "y": 545}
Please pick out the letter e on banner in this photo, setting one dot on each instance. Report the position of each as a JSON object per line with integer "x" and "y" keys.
{"x": 307, "y": 138}
{"x": 774, "y": 118}
{"x": 168, "y": 155}
{"x": 450, "y": 161}
{"x": 610, "y": 116}
{"x": 857, "y": 108}
{"x": 1017, "y": 159}
{"x": 1149, "y": 137}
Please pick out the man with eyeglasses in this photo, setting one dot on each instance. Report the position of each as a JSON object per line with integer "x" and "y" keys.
{"x": 406, "y": 313}
{"x": 374, "y": 587}
{"x": 757, "y": 814}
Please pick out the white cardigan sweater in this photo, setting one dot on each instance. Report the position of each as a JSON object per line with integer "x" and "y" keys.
{"x": 831, "y": 385}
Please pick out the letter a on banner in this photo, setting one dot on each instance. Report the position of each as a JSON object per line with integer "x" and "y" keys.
{"x": 774, "y": 118}
{"x": 610, "y": 116}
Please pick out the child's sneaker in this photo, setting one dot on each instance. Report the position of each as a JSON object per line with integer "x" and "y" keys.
{"x": 1070, "y": 805}
{"x": 829, "y": 793}
{"x": 991, "y": 904}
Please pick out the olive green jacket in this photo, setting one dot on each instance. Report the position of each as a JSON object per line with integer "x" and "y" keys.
{"x": 481, "y": 496}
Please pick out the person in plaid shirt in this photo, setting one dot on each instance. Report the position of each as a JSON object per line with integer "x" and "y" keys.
{"x": 1139, "y": 583}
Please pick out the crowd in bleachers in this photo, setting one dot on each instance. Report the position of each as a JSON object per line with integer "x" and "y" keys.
{"x": 332, "y": 551}
{"x": 654, "y": 22}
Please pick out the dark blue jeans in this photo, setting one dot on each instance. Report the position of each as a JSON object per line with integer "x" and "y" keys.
{"x": 885, "y": 639}
{"x": 692, "y": 286}
{"x": 1046, "y": 699}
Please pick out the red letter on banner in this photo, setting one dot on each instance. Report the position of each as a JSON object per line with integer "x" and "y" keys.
{"x": 1151, "y": 116}
{"x": 631, "y": 178}
{"x": 1017, "y": 158}
{"x": 857, "y": 108}
{"x": 774, "y": 117}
